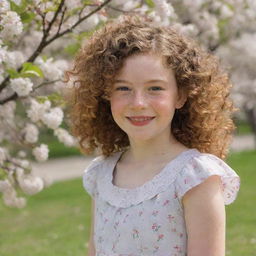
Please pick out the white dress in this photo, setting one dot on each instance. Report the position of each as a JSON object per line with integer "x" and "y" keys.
{"x": 149, "y": 220}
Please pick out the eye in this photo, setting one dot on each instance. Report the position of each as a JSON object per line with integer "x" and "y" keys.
{"x": 122, "y": 88}
{"x": 156, "y": 88}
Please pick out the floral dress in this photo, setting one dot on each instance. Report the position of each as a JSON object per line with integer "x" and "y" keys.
{"x": 149, "y": 219}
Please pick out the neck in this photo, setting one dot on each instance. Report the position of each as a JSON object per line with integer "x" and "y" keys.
{"x": 140, "y": 151}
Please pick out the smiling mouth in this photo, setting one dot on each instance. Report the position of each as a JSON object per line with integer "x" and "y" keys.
{"x": 140, "y": 120}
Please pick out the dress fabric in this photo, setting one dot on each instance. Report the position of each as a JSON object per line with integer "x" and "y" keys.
{"x": 149, "y": 219}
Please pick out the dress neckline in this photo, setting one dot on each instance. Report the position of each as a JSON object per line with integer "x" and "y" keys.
{"x": 161, "y": 173}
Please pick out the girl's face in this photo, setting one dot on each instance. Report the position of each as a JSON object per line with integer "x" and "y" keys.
{"x": 144, "y": 97}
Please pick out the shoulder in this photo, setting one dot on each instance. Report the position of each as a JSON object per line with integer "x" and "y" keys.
{"x": 207, "y": 171}
{"x": 96, "y": 168}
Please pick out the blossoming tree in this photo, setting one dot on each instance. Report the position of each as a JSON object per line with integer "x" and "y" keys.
{"x": 37, "y": 38}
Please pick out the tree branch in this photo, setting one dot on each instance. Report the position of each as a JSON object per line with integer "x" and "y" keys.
{"x": 44, "y": 42}
{"x": 14, "y": 96}
{"x": 78, "y": 22}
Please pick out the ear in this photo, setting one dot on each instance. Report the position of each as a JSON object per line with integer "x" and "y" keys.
{"x": 182, "y": 98}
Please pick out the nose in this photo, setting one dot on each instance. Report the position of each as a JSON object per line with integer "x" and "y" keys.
{"x": 139, "y": 100}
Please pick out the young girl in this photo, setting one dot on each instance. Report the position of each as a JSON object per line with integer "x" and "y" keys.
{"x": 157, "y": 108}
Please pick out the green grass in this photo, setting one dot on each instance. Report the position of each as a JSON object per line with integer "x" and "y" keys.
{"x": 241, "y": 217}
{"x": 56, "y": 221}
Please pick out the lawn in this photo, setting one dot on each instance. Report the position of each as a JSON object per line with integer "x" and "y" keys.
{"x": 56, "y": 221}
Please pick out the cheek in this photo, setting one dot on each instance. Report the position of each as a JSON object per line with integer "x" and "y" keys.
{"x": 116, "y": 105}
{"x": 163, "y": 104}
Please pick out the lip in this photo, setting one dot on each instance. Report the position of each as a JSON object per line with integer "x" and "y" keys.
{"x": 134, "y": 120}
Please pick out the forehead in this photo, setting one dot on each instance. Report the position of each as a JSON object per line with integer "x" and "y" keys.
{"x": 144, "y": 66}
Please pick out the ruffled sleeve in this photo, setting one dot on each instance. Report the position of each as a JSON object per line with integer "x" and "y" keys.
{"x": 90, "y": 176}
{"x": 200, "y": 167}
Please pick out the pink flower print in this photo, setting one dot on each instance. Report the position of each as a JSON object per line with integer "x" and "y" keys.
{"x": 166, "y": 202}
{"x": 178, "y": 248}
{"x": 105, "y": 221}
{"x": 125, "y": 218}
{"x": 140, "y": 213}
{"x": 100, "y": 239}
{"x": 175, "y": 195}
{"x": 155, "y": 227}
{"x": 174, "y": 230}
{"x": 119, "y": 211}
{"x": 135, "y": 233}
{"x": 186, "y": 181}
{"x": 170, "y": 218}
{"x": 154, "y": 213}
{"x": 194, "y": 165}
{"x": 116, "y": 224}
{"x": 181, "y": 235}
{"x": 160, "y": 237}
{"x": 156, "y": 248}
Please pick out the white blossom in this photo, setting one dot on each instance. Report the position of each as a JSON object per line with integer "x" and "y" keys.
{"x": 17, "y": 2}
{"x": 71, "y": 4}
{"x": 53, "y": 118}
{"x": 164, "y": 9}
{"x": 225, "y": 12}
{"x": 5, "y": 185}
{"x": 14, "y": 59}
{"x": 28, "y": 183}
{"x": 7, "y": 111}
{"x": 64, "y": 137}
{"x": 3, "y": 52}
{"x": 22, "y": 154}
{"x": 129, "y": 5}
{"x": 90, "y": 22}
{"x": 41, "y": 153}
{"x": 52, "y": 70}
{"x": 12, "y": 25}
{"x": 118, "y": 2}
{"x": 2, "y": 155}
{"x": 10, "y": 199}
{"x": 188, "y": 30}
{"x": 37, "y": 110}
{"x": 22, "y": 86}
{"x": 31, "y": 185}
{"x": 4, "y": 6}
{"x": 31, "y": 133}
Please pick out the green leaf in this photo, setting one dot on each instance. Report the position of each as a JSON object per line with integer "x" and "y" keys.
{"x": 31, "y": 70}
{"x": 17, "y": 8}
{"x": 41, "y": 99}
{"x": 27, "y": 17}
{"x": 85, "y": 2}
{"x": 72, "y": 48}
{"x": 3, "y": 174}
{"x": 13, "y": 73}
{"x": 55, "y": 98}
{"x": 150, "y": 3}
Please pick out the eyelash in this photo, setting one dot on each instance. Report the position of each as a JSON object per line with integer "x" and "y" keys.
{"x": 156, "y": 87}
{"x": 153, "y": 88}
{"x": 121, "y": 88}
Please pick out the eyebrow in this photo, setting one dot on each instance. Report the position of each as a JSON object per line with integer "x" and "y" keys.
{"x": 149, "y": 81}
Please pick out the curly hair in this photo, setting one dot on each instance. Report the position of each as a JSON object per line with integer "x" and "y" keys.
{"x": 205, "y": 120}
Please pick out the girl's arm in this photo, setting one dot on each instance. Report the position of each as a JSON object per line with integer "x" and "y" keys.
{"x": 205, "y": 218}
{"x": 91, "y": 247}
